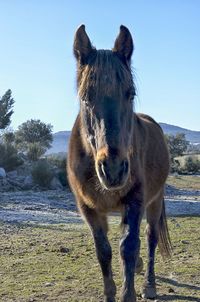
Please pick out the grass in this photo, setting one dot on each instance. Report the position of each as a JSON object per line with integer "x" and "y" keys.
{"x": 58, "y": 263}
{"x": 184, "y": 182}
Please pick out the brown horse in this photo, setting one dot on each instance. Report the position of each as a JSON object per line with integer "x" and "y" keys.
{"x": 118, "y": 160}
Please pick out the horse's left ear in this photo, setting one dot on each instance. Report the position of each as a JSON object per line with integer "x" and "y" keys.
{"x": 82, "y": 45}
{"x": 124, "y": 44}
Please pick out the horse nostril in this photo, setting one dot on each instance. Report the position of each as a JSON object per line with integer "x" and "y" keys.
{"x": 102, "y": 166}
{"x": 124, "y": 166}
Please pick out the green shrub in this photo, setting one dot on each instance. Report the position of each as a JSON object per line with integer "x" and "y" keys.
{"x": 62, "y": 176}
{"x": 42, "y": 173}
{"x": 9, "y": 158}
{"x": 60, "y": 163}
{"x": 34, "y": 151}
{"x": 192, "y": 165}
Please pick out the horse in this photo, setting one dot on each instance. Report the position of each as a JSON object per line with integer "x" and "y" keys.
{"x": 117, "y": 161}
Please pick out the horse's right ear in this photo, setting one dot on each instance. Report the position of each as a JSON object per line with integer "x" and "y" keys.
{"x": 82, "y": 45}
{"x": 124, "y": 44}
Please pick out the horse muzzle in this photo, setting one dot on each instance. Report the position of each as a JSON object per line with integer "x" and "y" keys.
{"x": 113, "y": 173}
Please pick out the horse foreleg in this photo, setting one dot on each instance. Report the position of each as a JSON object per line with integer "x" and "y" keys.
{"x": 129, "y": 248}
{"x": 98, "y": 226}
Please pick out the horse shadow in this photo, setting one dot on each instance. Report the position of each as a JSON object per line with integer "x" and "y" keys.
{"x": 175, "y": 297}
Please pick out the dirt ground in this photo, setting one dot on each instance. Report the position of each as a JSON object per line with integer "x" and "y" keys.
{"x": 47, "y": 252}
{"x": 58, "y": 263}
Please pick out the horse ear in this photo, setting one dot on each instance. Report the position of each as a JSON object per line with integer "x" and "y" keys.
{"x": 82, "y": 45}
{"x": 124, "y": 44}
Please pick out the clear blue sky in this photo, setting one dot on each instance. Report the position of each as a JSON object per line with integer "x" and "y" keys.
{"x": 37, "y": 64}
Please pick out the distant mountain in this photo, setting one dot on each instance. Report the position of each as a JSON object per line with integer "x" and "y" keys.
{"x": 192, "y": 136}
{"x": 61, "y": 138}
{"x": 60, "y": 142}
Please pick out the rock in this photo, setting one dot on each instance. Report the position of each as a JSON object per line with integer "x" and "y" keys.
{"x": 2, "y": 173}
{"x": 185, "y": 242}
{"x": 47, "y": 284}
{"x": 4, "y": 185}
{"x": 28, "y": 182}
{"x": 63, "y": 249}
{"x": 12, "y": 174}
{"x": 56, "y": 184}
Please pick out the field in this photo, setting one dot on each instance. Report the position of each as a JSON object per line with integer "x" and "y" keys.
{"x": 187, "y": 182}
{"x": 58, "y": 263}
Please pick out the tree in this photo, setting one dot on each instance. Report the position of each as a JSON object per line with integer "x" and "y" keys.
{"x": 34, "y": 137}
{"x": 6, "y": 109}
{"x": 177, "y": 144}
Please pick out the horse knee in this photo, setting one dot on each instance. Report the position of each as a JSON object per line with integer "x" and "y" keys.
{"x": 129, "y": 248}
{"x": 152, "y": 234}
{"x": 104, "y": 252}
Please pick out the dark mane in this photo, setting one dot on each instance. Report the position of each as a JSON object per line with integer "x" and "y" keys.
{"x": 104, "y": 71}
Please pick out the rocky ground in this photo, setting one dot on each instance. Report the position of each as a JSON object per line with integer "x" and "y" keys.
{"x": 58, "y": 206}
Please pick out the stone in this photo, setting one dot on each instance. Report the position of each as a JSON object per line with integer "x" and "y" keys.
{"x": 28, "y": 182}
{"x": 56, "y": 184}
{"x": 47, "y": 284}
{"x": 12, "y": 174}
{"x": 2, "y": 173}
{"x": 63, "y": 249}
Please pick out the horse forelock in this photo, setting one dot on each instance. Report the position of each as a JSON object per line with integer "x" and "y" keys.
{"x": 105, "y": 72}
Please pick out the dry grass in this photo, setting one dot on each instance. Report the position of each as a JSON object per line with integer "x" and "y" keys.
{"x": 34, "y": 266}
{"x": 187, "y": 182}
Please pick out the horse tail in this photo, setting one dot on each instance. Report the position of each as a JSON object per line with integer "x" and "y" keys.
{"x": 164, "y": 243}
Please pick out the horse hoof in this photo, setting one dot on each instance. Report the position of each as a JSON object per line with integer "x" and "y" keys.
{"x": 109, "y": 299}
{"x": 128, "y": 296}
{"x": 139, "y": 265}
{"x": 149, "y": 292}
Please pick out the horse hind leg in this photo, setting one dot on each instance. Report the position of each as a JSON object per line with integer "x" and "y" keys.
{"x": 99, "y": 228}
{"x": 153, "y": 214}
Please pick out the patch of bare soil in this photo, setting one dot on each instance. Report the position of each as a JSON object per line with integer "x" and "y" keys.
{"x": 58, "y": 206}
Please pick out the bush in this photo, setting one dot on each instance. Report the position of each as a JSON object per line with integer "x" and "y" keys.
{"x": 192, "y": 165}
{"x": 9, "y": 158}
{"x": 34, "y": 137}
{"x": 34, "y": 151}
{"x": 175, "y": 166}
{"x": 60, "y": 163}
{"x": 42, "y": 173}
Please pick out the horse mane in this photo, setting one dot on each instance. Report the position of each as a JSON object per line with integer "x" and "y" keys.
{"x": 105, "y": 71}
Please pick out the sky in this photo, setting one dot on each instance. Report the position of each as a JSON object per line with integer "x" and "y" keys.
{"x": 37, "y": 63}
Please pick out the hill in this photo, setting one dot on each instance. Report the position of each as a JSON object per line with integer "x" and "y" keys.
{"x": 61, "y": 138}
{"x": 192, "y": 136}
{"x": 60, "y": 142}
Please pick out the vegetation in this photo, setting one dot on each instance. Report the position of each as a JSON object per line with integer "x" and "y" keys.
{"x": 58, "y": 263}
{"x": 192, "y": 165}
{"x": 60, "y": 163}
{"x": 42, "y": 173}
{"x": 187, "y": 182}
{"x": 177, "y": 144}
{"x": 9, "y": 158}
{"x": 6, "y": 109}
{"x": 34, "y": 137}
